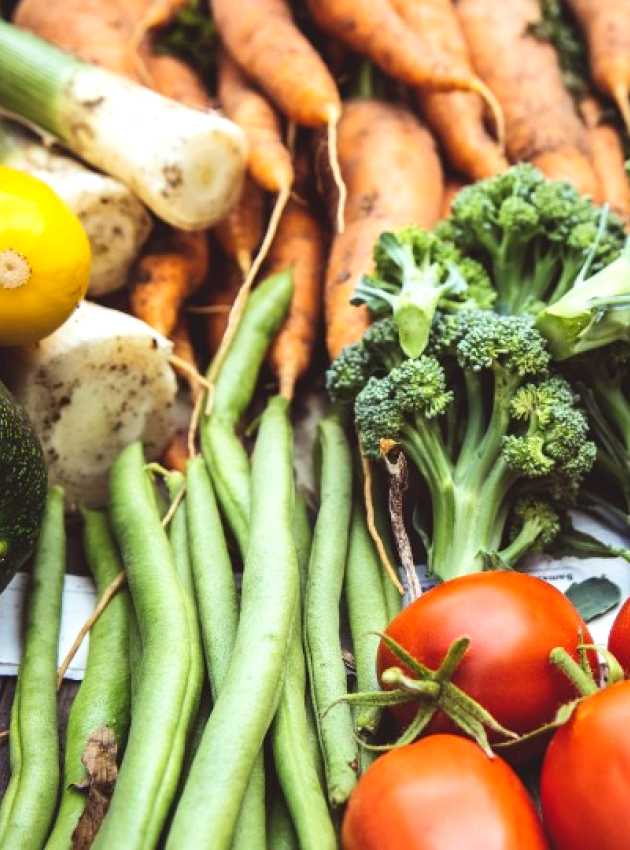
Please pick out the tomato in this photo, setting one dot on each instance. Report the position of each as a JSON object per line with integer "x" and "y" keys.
{"x": 441, "y": 793}
{"x": 585, "y": 780}
{"x": 513, "y": 621}
{"x": 619, "y": 638}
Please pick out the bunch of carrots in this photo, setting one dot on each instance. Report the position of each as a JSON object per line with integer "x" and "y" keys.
{"x": 361, "y": 116}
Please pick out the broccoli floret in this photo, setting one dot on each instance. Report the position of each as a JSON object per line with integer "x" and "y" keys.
{"x": 376, "y": 353}
{"x": 534, "y": 525}
{"x": 534, "y": 237}
{"x": 517, "y": 433}
{"x": 415, "y": 272}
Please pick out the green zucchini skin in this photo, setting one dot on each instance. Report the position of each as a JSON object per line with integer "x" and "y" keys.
{"x": 23, "y": 485}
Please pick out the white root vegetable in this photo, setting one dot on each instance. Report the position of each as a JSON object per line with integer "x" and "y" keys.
{"x": 98, "y": 383}
{"x": 186, "y": 164}
{"x": 116, "y": 223}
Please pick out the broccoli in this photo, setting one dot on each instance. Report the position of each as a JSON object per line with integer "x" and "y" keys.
{"x": 603, "y": 379}
{"x": 376, "y": 353}
{"x": 487, "y": 425}
{"x": 534, "y": 525}
{"x": 538, "y": 241}
{"x": 415, "y": 273}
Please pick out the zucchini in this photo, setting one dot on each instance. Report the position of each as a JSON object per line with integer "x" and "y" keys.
{"x": 23, "y": 484}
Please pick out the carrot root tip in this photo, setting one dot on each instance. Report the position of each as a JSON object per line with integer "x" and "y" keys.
{"x": 495, "y": 110}
{"x": 335, "y": 168}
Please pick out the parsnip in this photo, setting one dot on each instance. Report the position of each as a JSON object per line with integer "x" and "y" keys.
{"x": 186, "y": 164}
{"x": 116, "y": 223}
{"x": 98, "y": 383}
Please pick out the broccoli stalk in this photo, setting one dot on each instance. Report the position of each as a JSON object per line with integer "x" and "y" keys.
{"x": 415, "y": 274}
{"x": 485, "y": 424}
{"x": 594, "y": 313}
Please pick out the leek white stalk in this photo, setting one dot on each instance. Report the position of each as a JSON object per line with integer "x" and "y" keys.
{"x": 186, "y": 164}
{"x": 115, "y": 221}
{"x": 101, "y": 381}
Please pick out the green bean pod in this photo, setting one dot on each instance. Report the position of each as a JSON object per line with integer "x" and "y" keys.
{"x": 178, "y": 536}
{"x": 146, "y": 776}
{"x": 296, "y": 766}
{"x": 222, "y": 449}
{"x": 210, "y": 804}
{"x": 104, "y": 697}
{"x": 321, "y": 611}
{"x": 367, "y": 611}
{"x": 282, "y": 835}
{"x": 29, "y": 805}
{"x": 218, "y": 611}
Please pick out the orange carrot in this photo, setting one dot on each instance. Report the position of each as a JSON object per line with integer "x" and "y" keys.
{"x": 263, "y": 38}
{"x": 225, "y": 288}
{"x": 299, "y": 245}
{"x": 176, "y": 454}
{"x": 608, "y": 158}
{"x": 542, "y": 125}
{"x": 163, "y": 279}
{"x": 269, "y": 159}
{"x": 457, "y": 119}
{"x": 451, "y": 189}
{"x": 184, "y": 359}
{"x": 240, "y": 232}
{"x": 394, "y": 178}
{"x": 605, "y": 24}
{"x": 396, "y": 35}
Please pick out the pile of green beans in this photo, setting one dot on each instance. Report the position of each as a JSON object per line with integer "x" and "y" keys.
{"x": 28, "y": 806}
{"x": 105, "y": 694}
{"x": 272, "y": 659}
{"x": 207, "y": 813}
{"x": 150, "y": 770}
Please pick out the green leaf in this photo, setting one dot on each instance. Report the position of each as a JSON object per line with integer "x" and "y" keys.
{"x": 594, "y": 596}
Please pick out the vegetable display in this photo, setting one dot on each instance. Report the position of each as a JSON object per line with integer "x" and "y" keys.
{"x": 342, "y": 436}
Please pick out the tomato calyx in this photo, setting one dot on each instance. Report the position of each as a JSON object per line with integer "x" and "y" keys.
{"x": 434, "y": 691}
{"x": 581, "y": 677}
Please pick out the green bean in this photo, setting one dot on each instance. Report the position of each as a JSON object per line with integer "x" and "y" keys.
{"x": 218, "y": 611}
{"x": 244, "y": 710}
{"x": 15, "y": 763}
{"x": 32, "y": 796}
{"x": 105, "y": 693}
{"x": 367, "y": 611}
{"x": 282, "y": 835}
{"x": 296, "y": 767}
{"x": 160, "y": 603}
{"x": 178, "y": 536}
{"x": 222, "y": 449}
{"x": 321, "y": 612}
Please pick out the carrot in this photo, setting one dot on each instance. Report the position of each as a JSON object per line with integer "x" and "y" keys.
{"x": 240, "y": 232}
{"x": 451, "y": 189}
{"x": 605, "y": 24}
{"x": 269, "y": 159}
{"x": 394, "y": 178}
{"x": 608, "y": 158}
{"x": 163, "y": 280}
{"x": 176, "y": 453}
{"x": 222, "y": 296}
{"x": 457, "y": 120}
{"x": 416, "y": 41}
{"x": 542, "y": 125}
{"x": 299, "y": 245}
{"x": 263, "y": 38}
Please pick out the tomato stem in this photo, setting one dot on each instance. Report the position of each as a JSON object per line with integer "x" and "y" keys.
{"x": 584, "y": 683}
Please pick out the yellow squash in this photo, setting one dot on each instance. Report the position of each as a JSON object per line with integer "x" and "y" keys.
{"x": 44, "y": 259}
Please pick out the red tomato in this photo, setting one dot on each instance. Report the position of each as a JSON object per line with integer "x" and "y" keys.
{"x": 513, "y": 621}
{"x": 619, "y": 638}
{"x": 585, "y": 781}
{"x": 441, "y": 793}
